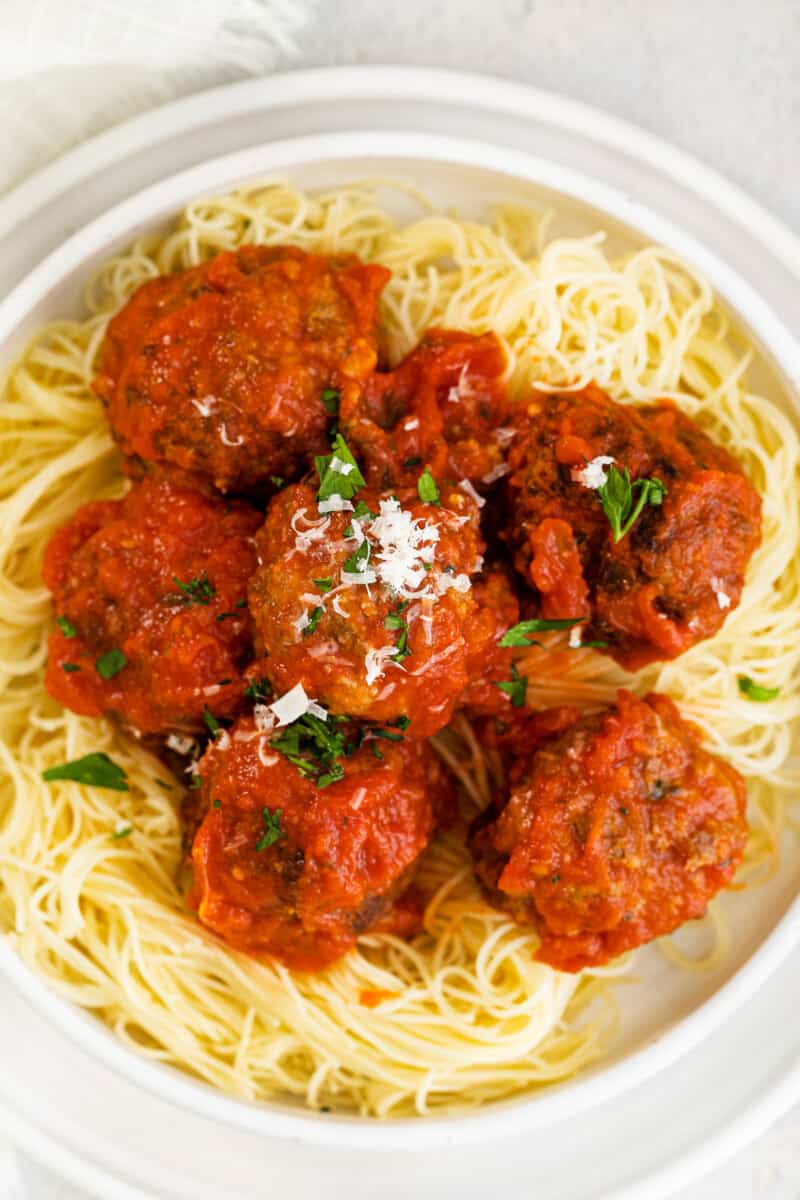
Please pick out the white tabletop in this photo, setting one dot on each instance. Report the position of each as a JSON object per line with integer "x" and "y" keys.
{"x": 719, "y": 78}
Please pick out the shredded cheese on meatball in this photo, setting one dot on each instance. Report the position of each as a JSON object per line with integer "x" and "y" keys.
{"x": 594, "y": 474}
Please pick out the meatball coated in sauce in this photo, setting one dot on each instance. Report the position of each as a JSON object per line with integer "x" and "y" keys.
{"x": 618, "y": 828}
{"x": 285, "y": 868}
{"x": 219, "y": 370}
{"x": 159, "y": 578}
{"x": 670, "y": 581}
{"x": 490, "y": 663}
{"x": 369, "y": 650}
{"x": 443, "y": 406}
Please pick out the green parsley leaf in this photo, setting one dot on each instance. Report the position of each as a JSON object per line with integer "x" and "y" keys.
{"x": 277, "y": 481}
{"x": 754, "y": 691}
{"x": 211, "y": 721}
{"x": 199, "y": 590}
{"x": 70, "y": 667}
{"x": 415, "y": 461}
{"x": 66, "y": 627}
{"x": 401, "y": 722}
{"x": 402, "y": 651}
{"x": 516, "y": 687}
{"x": 122, "y": 833}
{"x": 110, "y": 664}
{"x": 617, "y": 496}
{"x": 241, "y": 603}
{"x": 314, "y": 746}
{"x": 330, "y": 399}
{"x": 216, "y": 803}
{"x": 313, "y": 620}
{"x": 324, "y": 585}
{"x": 94, "y": 770}
{"x": 333, "y": 776}
{"x": 331, "y": 480}
{"x": 427, "y": 488}
{"x": 272, "y": 831}
{"x": 376, "y": 751}
{"x": 387, "y": 735}
{"x": 357, "y": 561}
{"x": 518, "y": 635}
{"x": 259, "y": 690}
{"x": 195, "y": 782}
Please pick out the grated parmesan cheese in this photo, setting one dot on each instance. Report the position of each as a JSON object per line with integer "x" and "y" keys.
{"x": 575, "y": 636}
{"x": 335, "y": 503}
{"x": 594, "y": 474}
{"x": 294, "y": 704}
{"x": 206, "y": 405}
{"x": 496, "y": 473}
{"x": 469, "y": 490}
{"x": 181, "y": 745}
{"x": 226, "y": 441}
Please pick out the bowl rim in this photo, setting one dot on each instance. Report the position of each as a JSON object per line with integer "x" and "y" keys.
{"x": 523, "y": 1112}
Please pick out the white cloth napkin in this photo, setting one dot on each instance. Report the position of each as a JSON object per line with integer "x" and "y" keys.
{"x": 68, "y": 70}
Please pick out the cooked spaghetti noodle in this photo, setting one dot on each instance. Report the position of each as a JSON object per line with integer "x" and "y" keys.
{"x": 461, "y": 1015}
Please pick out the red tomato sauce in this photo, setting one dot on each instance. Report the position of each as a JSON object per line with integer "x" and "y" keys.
{"x": 115, "y": 571}
{"x": 615, "y": 830}
{"x": 222, "y": 370}
{"x": 671, "y": 580}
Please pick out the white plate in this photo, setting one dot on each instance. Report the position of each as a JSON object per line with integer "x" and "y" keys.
{"x": 469, "y": 173}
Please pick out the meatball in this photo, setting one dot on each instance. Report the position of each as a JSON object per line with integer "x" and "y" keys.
{"x": 442, "y": 407}
{"x": 285, "y": 867}
{"x": 617, "y": 829}
{"x": 231, "y": 370}
{"x": 372, "y": 610}
{"x": 668, "y": 582}
{"x": 490, "y": 664}
{"x": 151, "y": 594}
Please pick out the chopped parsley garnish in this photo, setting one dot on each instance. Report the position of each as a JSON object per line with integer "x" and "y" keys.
{"x": 199, "y": 590}
{"x": 94, "y": 770}
{"x": 211, "y": 721}
{"x": 277, "y": 481}
{"x": 620, "y": 501}
{"x": 362, "y": 511}
{"x": 427, "y": 488}
{"x": 110, "y": 664}
{"x": 401, "y": 722}
{"x": 332, "y": 480}
{"x": 519, "y": 635}
{"x": 313, "y": 621}
{"x": 412, "y": 462}
{"x": 330, "y": 400}
{"x": 226, "y": 616}
{"x": 70, "y": 667}
{"x": 324, "y": 585}
{"x": 259, "y": 690}
{"x": 195, "y": 782}
{"x": 314, "y": 746}
{"x": 394, "y": 620}
{"x": 122, "y": 833}
{"x": 241, "y": 603}
{"x": 402, "y": 650}
{"x": 590, "y": 646}
{"x": 754, "y": 691}
{"x": 387, "y": 735}
{"x": 357, "y": 561}
{"x": 516, "y": 687}
{"x": 66, "y": 627}
{"x": 272, "y": 829}
{"x": 376, "y": 751}
{"x": 216, "y": 803}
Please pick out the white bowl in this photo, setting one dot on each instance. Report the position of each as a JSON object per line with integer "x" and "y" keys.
{"x": 669, "y": 1011}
